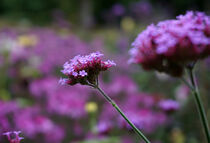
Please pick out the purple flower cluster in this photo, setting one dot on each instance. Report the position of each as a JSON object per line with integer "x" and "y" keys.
{"x": 6, "y": 108}
{"x": 85, "y": 69}
{"x": 16, "y": 139}
{"x": 118, "y": 86}
{"x": 39, "y": 47}
{"x": 118, "y": 10}
{"x": 33, "y": 123}
{"x": 141, "y": 108}
{"x": 30, "y": 120}
{"x": 60, "y": 100}
{"x": 171, "y": 44}
{"x": 70, "y": 103}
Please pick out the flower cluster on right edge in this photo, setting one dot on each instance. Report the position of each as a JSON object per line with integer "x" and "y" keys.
{"x": 171, "y": 44}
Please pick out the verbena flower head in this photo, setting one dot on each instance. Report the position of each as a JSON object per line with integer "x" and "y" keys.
{"x": 13, "y": 137}
{"x": 84, "y": 69}
{"x": 171, "y": 44}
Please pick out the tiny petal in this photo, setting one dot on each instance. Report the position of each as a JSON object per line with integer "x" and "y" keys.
{"x": 7, "y": 133}
{"x": 83, "y": 73}
{"x": 17, "y": 132}
{"x": 110, "y": 63}
{"x": 75, "y": 74}
{"x": 96, "y": 54}
{"x": 63, "y": 81}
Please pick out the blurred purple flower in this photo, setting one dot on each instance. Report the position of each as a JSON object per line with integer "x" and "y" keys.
{"x": 140, "y": 100}
{"x": 78, "y": 129}
{"x": 104, "y": 127}
{"x": 122, "y": 44}
{"x": 117, "y": 86}
{"x": 60, "y": 99}
{"x": 55, "y": 135}
{"x": 51, "y": 44}
{"x": 59, "y": 19}
{"x": 118, "y": 9}
{"x": 140, "y": 109}
{"x": 33, "y": 123}
{"x": 189, "y": 41}
{"x": 44, "y": 43}
{"x": 182, "y": 93}
{"x": 69, "y": 102}
{"x": 44, "y": 86}
{"x": 7, "y": 108}
{"x": 169, "y": 105}
{"x": 145, "y": 119}
{"x": 16, "y": 138}
{"x": 126, "y": 140}
{"x": 97, "y": 43}
{"x": 141, "y": 8}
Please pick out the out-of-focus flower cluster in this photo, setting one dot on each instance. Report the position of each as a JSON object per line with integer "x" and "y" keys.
{"x": 143, "y": 109}
{"x": 137, "y": 10}
{"x": 39, "y": 47}
{"x": 32, "y": 101}
{"x": 171, "y": 44}
{"x": 16, "y": 138}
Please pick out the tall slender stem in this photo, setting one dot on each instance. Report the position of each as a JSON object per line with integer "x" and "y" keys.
{"x": 122, "y": 114}
{"x": 199, "y": 104}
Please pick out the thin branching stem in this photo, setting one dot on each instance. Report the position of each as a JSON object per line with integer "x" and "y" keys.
{"x": 187, "y": 83}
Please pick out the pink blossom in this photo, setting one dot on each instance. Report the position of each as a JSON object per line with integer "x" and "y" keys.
{"x": 85, "y": 69}
{"x": 171, "y": 44}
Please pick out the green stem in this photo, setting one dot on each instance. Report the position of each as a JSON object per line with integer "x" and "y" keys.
{"x": 199, "y": 104}
{"x": 122, "y": 114}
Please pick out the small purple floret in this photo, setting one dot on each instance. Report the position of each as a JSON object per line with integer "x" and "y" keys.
{"x": 63, "y": 81}
{"x": 83, "y": 73}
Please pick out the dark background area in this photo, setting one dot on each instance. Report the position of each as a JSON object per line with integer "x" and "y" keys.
{"x": 41, "y": 11}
